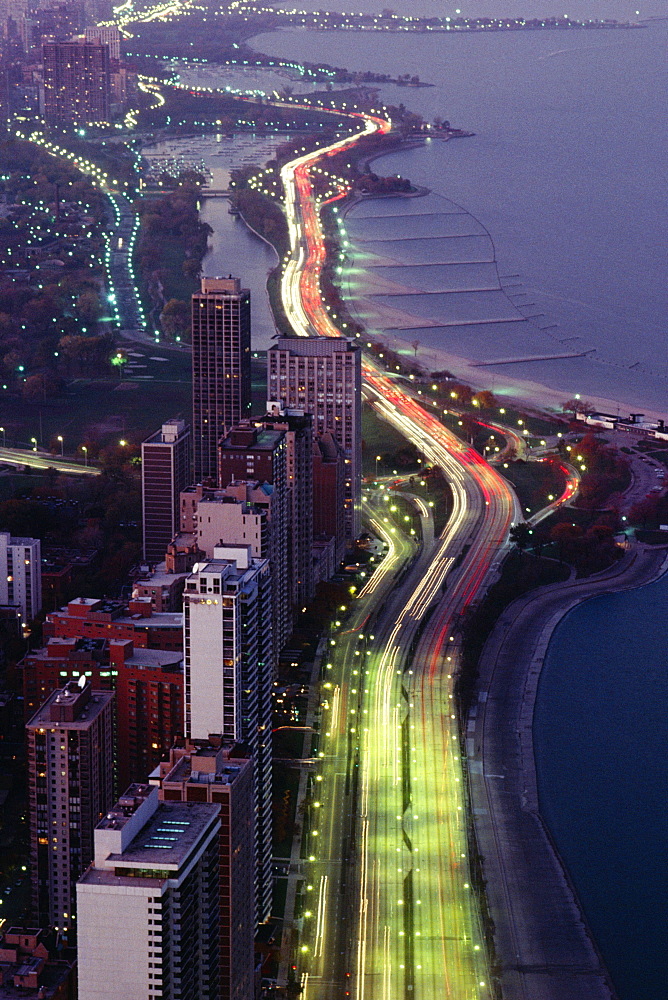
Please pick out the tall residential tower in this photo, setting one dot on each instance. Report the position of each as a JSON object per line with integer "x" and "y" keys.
{"x": 165, "y": 471}
{"x": 229, "y": 674}
{"x": 221, "y": 367}
{"x": 70, "y": 777}
{"x": 323, "y": 376}
{"x": 149, "y": 904}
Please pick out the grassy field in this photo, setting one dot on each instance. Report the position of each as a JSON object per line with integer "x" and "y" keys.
{"x": 155, "y": 386}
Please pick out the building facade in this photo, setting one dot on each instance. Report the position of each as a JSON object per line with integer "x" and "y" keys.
{"x": 98, "y": 618}
{"x": 329, "y": 491}
{"x": 110, "y": 37}
{"x": 323, "y": 376}
{"x": 229, "y": 672}
{"x": 221, "y": 330}
{"x": 21, "y": 574}
{"x": 165, "y": 471}
{"x": 71, "y": 783}
{"x": 148, "y": 685}
{"x": 298, "y": 429}
{"x": 221, "y": 774}
{"x": 252, "y": 451}
{"x": 149, "y": 707}
{"x": 77, "y": 83}
{"x": 154, "y": 884}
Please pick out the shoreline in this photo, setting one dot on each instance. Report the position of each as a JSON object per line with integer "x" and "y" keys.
{"x": 529, "y": 890}
{"x": 528, "y": 392}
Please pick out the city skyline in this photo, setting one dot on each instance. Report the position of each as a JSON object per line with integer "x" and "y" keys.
{"x": 333, "y": 503}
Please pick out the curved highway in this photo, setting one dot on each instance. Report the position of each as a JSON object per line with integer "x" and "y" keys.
{"x": 414, "y": 930}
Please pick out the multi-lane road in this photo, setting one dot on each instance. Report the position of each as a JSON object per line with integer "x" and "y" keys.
{"x": 411, "y": 926}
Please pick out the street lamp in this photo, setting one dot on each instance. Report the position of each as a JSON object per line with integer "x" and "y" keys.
{"x": 4, "y": 437}
{"x": 85, "y": 453}
{"x": 378, "y": 458}
{"x": 33, "y": 442}
{"x": 60, "y": 438}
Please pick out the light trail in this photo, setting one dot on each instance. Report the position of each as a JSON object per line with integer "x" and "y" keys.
{"x": 417, "y": 923}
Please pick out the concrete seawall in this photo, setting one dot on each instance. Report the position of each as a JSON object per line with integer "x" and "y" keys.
{"x": 543, "y": 946}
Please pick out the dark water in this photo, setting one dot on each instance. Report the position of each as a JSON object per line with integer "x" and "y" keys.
{"x": 233, "y": 248}
{"x": 602, "y": 760}
{"x": 566, "y": 172}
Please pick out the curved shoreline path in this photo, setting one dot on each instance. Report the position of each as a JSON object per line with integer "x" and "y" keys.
{"x": 415, "y": 929}
{"x": 544, "y": 948}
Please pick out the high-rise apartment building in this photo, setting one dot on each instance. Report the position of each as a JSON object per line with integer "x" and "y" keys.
{"x": 77, "y": 84}
{"x": 153, "y": 886}
{"x": 252, "y": 451}
{"x": 329, "y": 491}
{"x": 165, "y": 472}
{"x": 21, "y": 574}
{"x": 148, "y": 685}
{"x": 222, "y": 774}
{"x": 70, "y": 776}
{"x": 149, "y": 706}
{"x": 229, "y": 672}
{"x": 323, "y": 376}
{"x": 221, "y": 324}
{"x": 224, "y": 520}
{"x": 110, "y": 37}
{"x": 298, "y": 429}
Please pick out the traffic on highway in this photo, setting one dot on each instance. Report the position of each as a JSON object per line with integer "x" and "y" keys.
{"x": 395, "y": 914}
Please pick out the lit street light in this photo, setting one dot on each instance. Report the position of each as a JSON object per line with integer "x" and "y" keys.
{"x": 33, "y": 442}
{"x": 85, "y": 453}
{"x": 60, "y": 438}
{"x": 4, "y": 437}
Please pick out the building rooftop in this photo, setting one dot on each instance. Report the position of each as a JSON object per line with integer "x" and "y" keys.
{"x": 168, "y": 837}
{"x": 153, "y": 659}
{"x": 251, "y": 437}
{"x": 205, "y": 767}
{"x": 159, "y": 619}
{"x": 74, "y": 706}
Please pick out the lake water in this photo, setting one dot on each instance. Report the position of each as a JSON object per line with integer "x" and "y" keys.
{"x": 565, "y": 178}
{"x": 600, "y": 742}
{"x": 561, "y": 186}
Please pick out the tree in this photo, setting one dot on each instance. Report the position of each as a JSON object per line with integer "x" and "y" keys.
{"x": 461, "y": 393}
{"x": 89, "y": 307}
{"x": 485, "y": 399}
{"x": 520, "y": 534}
{"x": 567, "y": 537}
{"x": 175, "y": 318}
{"x": 39, "y": 387}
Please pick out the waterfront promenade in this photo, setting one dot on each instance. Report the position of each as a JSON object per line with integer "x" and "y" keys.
{"x": 543, "y": 948}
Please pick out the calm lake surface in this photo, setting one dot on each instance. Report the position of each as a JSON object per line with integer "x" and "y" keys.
{"x": 602, "y": 761}
{"x": 543, "y": 234}
{"x": 566, "y": 176}
{"x": 562, "y": 185}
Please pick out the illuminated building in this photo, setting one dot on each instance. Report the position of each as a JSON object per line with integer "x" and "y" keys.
{"x": 221, "y": 367}
{"x": 77, "y": 84}
{"x": 70, "y": 779}
{"x": 229, "y": 672}
{"x": 165, "y": 471}
{"x": 20, "y": 574}
{"x": 148, "y": 905}
{"x": 253, "y": 451}
{"x": 210, "y": 771}
{"x": 323, "y": 376}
